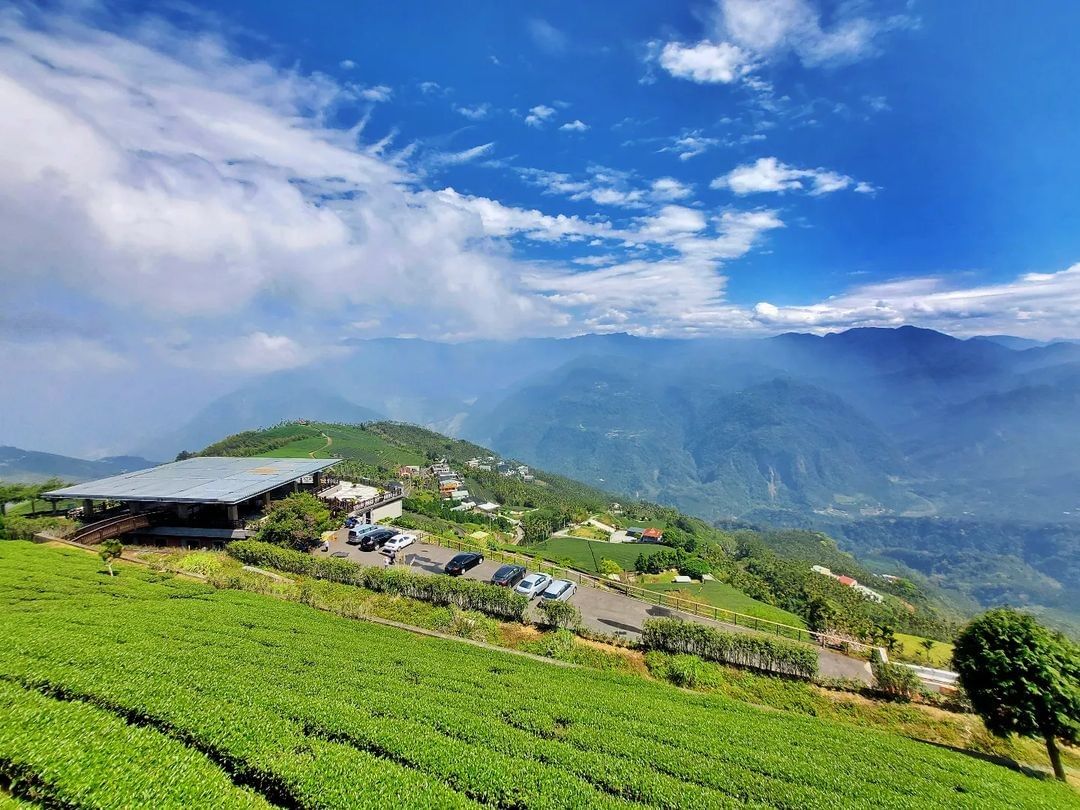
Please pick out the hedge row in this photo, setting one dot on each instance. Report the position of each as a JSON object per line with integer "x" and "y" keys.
{"x": 740, "y": 649}
{"x": 466, "y": 594}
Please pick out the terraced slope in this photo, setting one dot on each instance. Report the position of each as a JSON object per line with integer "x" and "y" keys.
{"x": 147, "y": 690}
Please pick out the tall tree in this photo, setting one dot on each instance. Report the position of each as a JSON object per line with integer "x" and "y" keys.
{"x": 1021, "y": 678}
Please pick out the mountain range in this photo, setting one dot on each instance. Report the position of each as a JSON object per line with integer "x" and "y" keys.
{"x": 867, "y": 422}
{"x": 31, "y": 467}
{"x": 956, "y": 458}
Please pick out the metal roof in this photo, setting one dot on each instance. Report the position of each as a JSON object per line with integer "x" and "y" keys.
{"x": 198, "y": 480}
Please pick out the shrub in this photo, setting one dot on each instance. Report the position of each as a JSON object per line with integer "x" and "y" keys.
{"x": 559, "y": 614}
{"x": 694, "y": 567}
{"x": 296, "y": 522}
{"x": 18, "y": 527}
{"x": 895, "y": 680}
{"x": 465, "y": 594}
{"x": 739, "y": 649}
{"x": 609, "y": 566}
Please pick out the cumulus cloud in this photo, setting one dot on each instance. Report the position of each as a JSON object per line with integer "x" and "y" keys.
{"x": 705, "y": 62}
{"x": 668, "y": 188}
{"x": 576, "y": 125}
{"x": 476, "y": 112}
{"x": 538, "y": 115}
{"x": 746, "y": 33}
{"x": 768, "y": 174}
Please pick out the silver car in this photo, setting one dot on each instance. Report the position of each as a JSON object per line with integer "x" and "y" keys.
{"x": 532, "y": 584}
{"x": 559, "y": 590}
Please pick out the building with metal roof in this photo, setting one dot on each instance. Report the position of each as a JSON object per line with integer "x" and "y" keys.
{"x": 208, "y": 493}
{"x": 199, "y": 480}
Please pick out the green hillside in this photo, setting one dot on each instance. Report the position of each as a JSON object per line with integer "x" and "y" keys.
{"x": 254, "y": 702}
{"x": 763, "y": 574}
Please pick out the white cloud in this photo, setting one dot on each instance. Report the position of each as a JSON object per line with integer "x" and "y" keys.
{"x": 547, "y": 37}
{"x": 379, "y": 92}
{"x": 1038, "y": 305}
{"x": 745, "y": 33}
{"x": 705, "y": 62}
{"x": 538, "y": 115}
{"x": 346, "y": 64}
{"x": 464, "y": 156}
{"x": 477, "y": 112}
{"x": 668, "y": 188}
{"x": 606, "y": 186}
{"x": 430, "y": 88}
{"x": 260, "y": 352}
{"x": 673, "y": 219}
{"x": 166, "y": 178}
{"x": 774, "y": 27}
{"x": 577, "y": 125}
{"x": 770, "y": 175}
{"x": 690, "y": 144}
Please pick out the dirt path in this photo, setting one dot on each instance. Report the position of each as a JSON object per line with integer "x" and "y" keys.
{"x": 324, "y": 448}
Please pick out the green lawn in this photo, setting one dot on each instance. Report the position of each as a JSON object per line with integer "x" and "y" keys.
{"x": 722, "y": 595}
{"x": 909, "y": 649}
{"x": 149, "y": 690}
{"x": 586, "y": 554}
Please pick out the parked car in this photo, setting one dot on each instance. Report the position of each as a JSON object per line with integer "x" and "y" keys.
{"x": 375, "y": 539}
{"x": 508, "y": 575}
{"x": 357, "y": 532}
{"x": 559, "y": 590}
{"x": 399, "y": 542}
{"x": 351, "y": 521}
{"x": 462, "y": 563}
{"x": 533, "y": 585}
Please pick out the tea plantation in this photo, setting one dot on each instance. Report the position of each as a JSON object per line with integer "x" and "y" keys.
{"x": 146, "y": 690}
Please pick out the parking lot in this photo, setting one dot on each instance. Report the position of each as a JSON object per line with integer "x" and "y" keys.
{"x": 601, "y": 611}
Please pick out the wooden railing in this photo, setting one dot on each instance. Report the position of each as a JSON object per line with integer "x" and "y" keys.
{"x": 702, "y": 609}
{"x": 94, "y": 533}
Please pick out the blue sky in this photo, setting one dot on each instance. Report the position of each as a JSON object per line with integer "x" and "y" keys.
{"x": 225, "y": 190}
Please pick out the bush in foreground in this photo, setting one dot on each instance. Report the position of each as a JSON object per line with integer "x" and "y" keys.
{"x": 740, "y": 649}
{"x": 895, "y": 680}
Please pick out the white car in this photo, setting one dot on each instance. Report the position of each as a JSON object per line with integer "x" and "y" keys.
{"x": 559, "y": 590}
{"x": 533, "y": 584}
{"x": 398, "y": 542}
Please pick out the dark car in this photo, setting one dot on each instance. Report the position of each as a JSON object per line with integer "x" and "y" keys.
{"x": 350, "y": 522}
{"x": 508, "y": 576}
{"x": 462, "y": 563}
{"x": 375, "y": 539}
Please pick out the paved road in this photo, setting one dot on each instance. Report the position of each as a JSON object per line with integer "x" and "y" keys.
{"x": 601, "y": 611}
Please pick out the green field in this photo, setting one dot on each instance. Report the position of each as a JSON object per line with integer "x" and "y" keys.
{"x": 722, "y": 595}
{"x": 149, "y": 690}
{"x": 909, "y": 649}
{"x": 586, "y": 554}
{"x": 348, "y": 441}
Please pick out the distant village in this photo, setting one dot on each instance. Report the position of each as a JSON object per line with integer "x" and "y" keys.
{"x": 853, "y": 583}
{"x": 452, "y": 486}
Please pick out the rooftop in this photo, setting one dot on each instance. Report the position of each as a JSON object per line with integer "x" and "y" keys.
{"x": 198, "y": 480}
